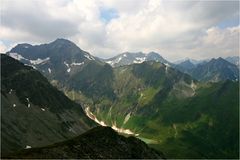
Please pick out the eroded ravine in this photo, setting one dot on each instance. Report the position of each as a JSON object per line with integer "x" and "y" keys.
{"x": 117, "y": 129}
{"x": 114, "y": 126}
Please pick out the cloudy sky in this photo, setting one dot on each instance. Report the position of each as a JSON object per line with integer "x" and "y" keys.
{"x": 175, "y": 29}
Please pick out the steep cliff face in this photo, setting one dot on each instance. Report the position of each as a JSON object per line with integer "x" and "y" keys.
{"x": 33, "y": 112}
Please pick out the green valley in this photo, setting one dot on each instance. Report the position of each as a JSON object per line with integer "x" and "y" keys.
{"x": 167, "y": 109}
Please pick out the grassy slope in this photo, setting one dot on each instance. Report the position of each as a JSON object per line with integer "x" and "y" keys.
{"x": 165, "y": 110}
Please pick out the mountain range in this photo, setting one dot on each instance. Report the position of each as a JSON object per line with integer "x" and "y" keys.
{"x": 51, "y": 59}
{"x": 214, "y": 70}
{"x": 35, "y": 116}
{"x": 128, "y": 58}
{"x": 177, "y": 109}
{"x": 193, "y": 61}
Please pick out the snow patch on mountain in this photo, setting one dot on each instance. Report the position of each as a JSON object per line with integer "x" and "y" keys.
{"x": 17, "y": 56}
{"x": 89, "y": 57}
{"x": 30, "y": 66}
{"x": 166, "y": 67}
{"x": 77, "y": 64}
{"x": 33, "y": 62}
{"x": 112, "y": 63}
{"x": 49, "y": 70}
{"x": 39, "y": 61}
{"x": 66, "y": 64}
{"x": 10, "y": 92}
{"x": 128, "y": 58}
{"x": 127, "y": 118}
{"x": 72, "y": 64}
{"x": 139, "y": 60}
{"x": 29, "y": 105}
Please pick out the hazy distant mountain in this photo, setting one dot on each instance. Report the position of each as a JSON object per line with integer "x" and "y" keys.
{"x": 185, "y": 66}
{"x": 193, "y": 61}
{"x": 215, "y": 70}
{"x": 33, "y": 112}
{"x": 233, "y": 60}
{"x": 98, "y": 143}
{"x": 128, "y": 58}
{"x": 210, "y": 70}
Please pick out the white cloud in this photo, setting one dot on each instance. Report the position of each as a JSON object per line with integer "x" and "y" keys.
{"x": 220, "y": 42}
{"x": 172, "y": 28}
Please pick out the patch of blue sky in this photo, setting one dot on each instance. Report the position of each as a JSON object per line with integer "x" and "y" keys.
{"x": 107, "y": 14}
{"x": 229, "y": 22}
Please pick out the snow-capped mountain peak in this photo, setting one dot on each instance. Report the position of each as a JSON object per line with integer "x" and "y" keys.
{"x": 128, "y": 58}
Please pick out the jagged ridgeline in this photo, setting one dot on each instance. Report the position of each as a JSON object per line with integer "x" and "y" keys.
{"x": 170, "y": 110}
